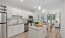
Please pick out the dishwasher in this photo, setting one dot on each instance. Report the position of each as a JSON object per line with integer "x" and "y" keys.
{"x": 26, "y": 27}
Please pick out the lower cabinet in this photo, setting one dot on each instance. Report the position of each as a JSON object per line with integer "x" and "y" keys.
{"x": 15, "y": 29}
{"x": 9, "y": 31}
{"x": 21, "y": 28}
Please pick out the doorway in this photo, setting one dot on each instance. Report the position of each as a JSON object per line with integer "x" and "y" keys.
{"x": 51, "y": 18}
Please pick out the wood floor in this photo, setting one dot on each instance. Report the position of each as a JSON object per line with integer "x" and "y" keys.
{"x": 53, "y": 34}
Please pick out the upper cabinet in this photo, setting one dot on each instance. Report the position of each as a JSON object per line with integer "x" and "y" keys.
{"x": 19, "y": 12}
{"x": 9, "y": 12}
{"x": 14, "y": 11}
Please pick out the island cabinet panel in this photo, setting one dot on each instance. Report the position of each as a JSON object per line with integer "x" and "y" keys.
{"x": 37, "y": 32}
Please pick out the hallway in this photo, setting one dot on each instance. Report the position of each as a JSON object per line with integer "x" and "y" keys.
{"x": 53, "y": 34}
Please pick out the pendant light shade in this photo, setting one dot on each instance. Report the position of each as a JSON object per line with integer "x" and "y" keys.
{"x": 21, "y": 0}
{"x": 44, "y": 10}
{"x": 43, "y": 7}
{"x": 39, "y": 7}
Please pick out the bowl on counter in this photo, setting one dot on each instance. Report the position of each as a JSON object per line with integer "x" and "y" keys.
{"x": 38, "y": 24}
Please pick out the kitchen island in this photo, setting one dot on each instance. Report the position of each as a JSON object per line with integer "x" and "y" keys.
{"x": 37, "y": 32}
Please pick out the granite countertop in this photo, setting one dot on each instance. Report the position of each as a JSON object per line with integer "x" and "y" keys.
{"x": 37, "y": 28}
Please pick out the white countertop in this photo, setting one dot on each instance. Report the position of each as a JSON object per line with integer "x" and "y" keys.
{"x": 37, "y": 28}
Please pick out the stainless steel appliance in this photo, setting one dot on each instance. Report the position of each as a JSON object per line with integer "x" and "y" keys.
{"x": 2, "y": 22}
{"x": 29, "y": 20}
{"x": 26, "y": 27}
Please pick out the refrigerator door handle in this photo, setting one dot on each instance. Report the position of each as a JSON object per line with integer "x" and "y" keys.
{"x": 2, "y": 23}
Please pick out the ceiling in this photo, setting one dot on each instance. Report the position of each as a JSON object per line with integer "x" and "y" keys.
{"x": 29, "y": 4}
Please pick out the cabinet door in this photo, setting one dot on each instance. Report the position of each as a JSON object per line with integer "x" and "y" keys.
{"x": 19, "y": 12}
{"x": 14, "y": 11}
{"x": 9, "y": 12}
{"x": 21, "y": 28}
{"x": 15, "y": 29}
{"x": 9, "y": 31}
{"x": 18, "y": 29}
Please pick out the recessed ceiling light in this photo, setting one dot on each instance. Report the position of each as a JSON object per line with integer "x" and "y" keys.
{"x": 34, "y": 6}
{"x": 21, "y": 0}
{"x": 44, "y": 10}
{"x": 39, "y": 7}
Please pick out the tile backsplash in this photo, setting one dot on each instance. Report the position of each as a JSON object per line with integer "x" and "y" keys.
{"x": 15, "y": 20}
{"x": 11, "y": 22}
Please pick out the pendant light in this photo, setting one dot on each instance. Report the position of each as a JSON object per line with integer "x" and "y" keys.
{"x": 44, "y": 10}
{"x": 35, "y": 5}
{"x": 43, "y": 7}
{"x": 21, "y": 0}
{"x": 39, "y": 7}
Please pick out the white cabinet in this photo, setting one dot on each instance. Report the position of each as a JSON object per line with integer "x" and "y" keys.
{"x": 15, "y": 29}
{"x": 37, "y": 32}
{"x": 25, "y": 14}
{"x": 18, "y": 29}
{"x": 9, "y": 12}
{"x": 21, "y": 28}
{"x": 9, "y": 31}
{"x": 19, "y": 12}
{"x": 14, "y": 11}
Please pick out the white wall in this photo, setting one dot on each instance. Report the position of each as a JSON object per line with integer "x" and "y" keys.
{"x": 2, "y": 2}
{"x": 54, "y": 11}
{"x": 63, "y": 21}
{"x": 36, "y": 16}
{"x": 26, "y": 14}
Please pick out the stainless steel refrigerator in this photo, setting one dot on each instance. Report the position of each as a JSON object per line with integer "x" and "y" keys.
{"x": 3, "y": 25}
